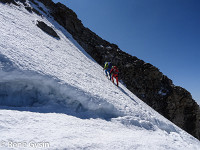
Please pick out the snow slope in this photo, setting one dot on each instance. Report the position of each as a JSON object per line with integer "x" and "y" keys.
{"x": 53, "y": 95}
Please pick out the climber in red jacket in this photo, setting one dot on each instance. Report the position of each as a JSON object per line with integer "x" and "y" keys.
{"x": 114, "y": 71}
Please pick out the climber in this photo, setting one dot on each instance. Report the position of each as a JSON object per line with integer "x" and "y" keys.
{"x": 115, "y": 72}
{"x": 107, "y": 68}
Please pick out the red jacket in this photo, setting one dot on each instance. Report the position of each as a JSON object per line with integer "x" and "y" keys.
{"x": 114, "y": 71}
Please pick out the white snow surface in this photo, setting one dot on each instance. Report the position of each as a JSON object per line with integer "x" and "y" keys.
{"x": 53, "y": 95}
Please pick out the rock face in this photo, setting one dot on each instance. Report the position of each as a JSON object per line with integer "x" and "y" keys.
{"x": 143, "y": 79}
{"x": 8, "y": 1}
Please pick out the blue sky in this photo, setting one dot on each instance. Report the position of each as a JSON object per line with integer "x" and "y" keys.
{"x": 165, "y": 33}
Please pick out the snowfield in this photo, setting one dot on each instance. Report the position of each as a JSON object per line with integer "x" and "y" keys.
{"x": 53, "y": 95}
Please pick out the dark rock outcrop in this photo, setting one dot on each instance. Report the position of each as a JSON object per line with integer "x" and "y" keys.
{"x": 143, "y": 79}
{"x": 44, "y": 27}
{"x": 9, "y": 2}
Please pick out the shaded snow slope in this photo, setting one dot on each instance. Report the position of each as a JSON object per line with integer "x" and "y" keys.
{"x": 28, "y": 89}
{"x": 53, "y": 90}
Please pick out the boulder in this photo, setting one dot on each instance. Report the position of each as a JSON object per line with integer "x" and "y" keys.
{"x": 44, "y": 27}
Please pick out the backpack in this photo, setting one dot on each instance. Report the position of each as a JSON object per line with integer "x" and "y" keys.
{"x": 109, "y": 65}
{"x": 106, "y": 65}
{"x": 115, "y": 70}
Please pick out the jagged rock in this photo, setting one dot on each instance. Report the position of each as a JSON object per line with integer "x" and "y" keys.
{"x": 29, "y": 9}
{"x": 6, "y": 1}
{"x": 47, "y": 29}
{"x": 9, "y": 2}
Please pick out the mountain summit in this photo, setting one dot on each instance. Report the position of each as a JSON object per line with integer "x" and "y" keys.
{"x": 54, "y": 95}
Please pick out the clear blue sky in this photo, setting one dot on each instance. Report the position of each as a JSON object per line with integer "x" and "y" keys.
{"x": 165, "y": 33}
